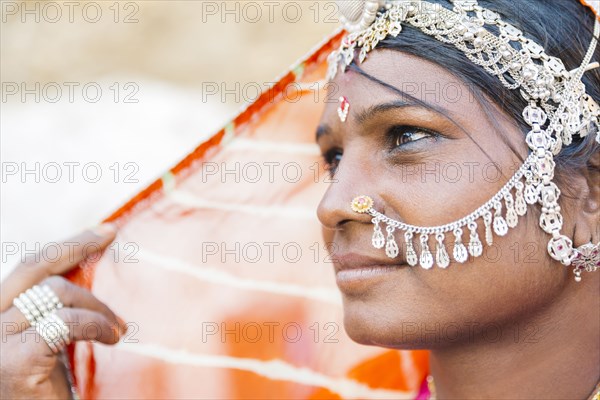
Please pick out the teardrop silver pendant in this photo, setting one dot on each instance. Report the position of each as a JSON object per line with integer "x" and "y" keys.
{"x": 426, "y": 259}
{"x": 512, "y": 219}
{"x": 411, "y": 254}
{"x": 475, "y": 246}
{"x": 500, "y": 226}
{"x": 378, "y": 240}
{"x": 531, "y": 193}
{"x": 460, "y": 251}
{"x": 441, "y": 255}
{"x": 391, "y": 247}
{"x": 487, "y": 221}
{"x": 520, "y": 203}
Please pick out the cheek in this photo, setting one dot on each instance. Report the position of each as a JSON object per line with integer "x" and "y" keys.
{"x": 514, "y": 276}
{"x": 445, "y": 185}
{"x": 427, "y": 309}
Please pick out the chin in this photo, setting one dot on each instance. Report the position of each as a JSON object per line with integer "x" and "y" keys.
{"x": 368, "y": 324}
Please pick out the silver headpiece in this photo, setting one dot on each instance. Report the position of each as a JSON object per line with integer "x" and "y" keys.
{"x": 558, "y": 108}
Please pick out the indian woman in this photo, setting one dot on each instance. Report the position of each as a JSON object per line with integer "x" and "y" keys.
{"x": 456, "y": 127}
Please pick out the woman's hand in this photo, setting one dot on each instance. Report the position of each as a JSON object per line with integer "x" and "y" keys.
{"x": 29, "y": 368}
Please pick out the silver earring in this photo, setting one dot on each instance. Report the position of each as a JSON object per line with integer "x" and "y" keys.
{"x": 586, "y": 257}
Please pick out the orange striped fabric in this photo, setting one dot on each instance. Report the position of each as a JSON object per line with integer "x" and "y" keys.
{"x": 224, "y": 279}
{"x": 207, "y": 317}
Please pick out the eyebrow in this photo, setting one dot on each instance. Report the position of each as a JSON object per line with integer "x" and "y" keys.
{"x": 371, "y": 112}
{"x": 322, "y": 130}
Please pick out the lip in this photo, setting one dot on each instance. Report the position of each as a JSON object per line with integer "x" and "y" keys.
{"x": 355, "y": 272}
{"x": 350, "y": 261}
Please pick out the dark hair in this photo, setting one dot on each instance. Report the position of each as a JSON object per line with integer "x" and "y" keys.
{"x": 563, "y": 27}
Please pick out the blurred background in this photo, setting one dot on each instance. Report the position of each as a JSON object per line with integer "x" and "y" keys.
{"x": 99, "y": 98}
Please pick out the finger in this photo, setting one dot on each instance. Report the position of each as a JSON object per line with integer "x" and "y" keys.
{"x": 70, "y": 295}
{"x": 68, "y": 254}
{"x": 74, "y": 296}
{"x": 90, "y": 325}
{"x": 83, "y": 325}
{"x": 72, "y": 251}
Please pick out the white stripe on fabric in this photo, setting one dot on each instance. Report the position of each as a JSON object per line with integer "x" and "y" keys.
{"x": 218, "y": 276}
{"x": 272, "y": 369}
{"x": 189, "y": 200}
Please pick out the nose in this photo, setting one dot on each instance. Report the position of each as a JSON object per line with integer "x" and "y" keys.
{"x": 351, "y": 179}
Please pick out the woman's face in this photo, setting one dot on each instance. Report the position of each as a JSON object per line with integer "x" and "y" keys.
{"x": 426, "y": 168}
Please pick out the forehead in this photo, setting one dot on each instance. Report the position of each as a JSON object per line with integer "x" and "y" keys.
{"x": 411, "y": 75}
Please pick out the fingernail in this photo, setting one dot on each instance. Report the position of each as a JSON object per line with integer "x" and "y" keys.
{"x": 122, "y": 325}
{"x": 116, "y": 329}
{"x": 105, "y": 229}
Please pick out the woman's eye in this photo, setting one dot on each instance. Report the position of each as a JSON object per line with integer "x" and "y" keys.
{"x": 403, "y": 135}
{"x": 332, "y": 160}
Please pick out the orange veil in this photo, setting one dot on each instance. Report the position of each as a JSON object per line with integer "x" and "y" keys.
{"x": 220, "y": 271}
